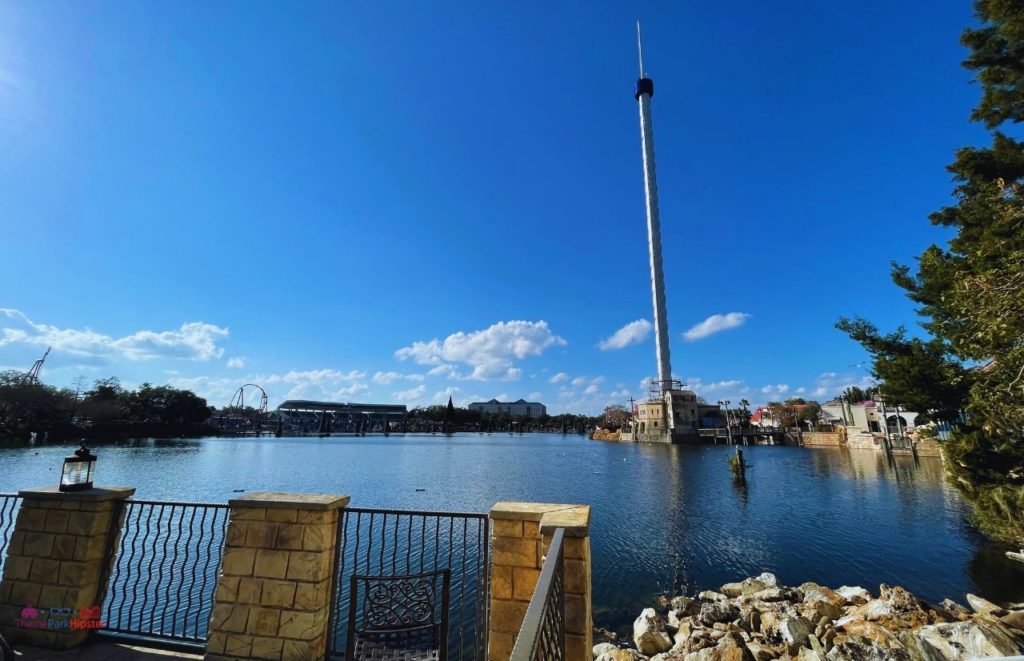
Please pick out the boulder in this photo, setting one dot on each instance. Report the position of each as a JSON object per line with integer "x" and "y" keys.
{"x": 601, "y": 648}
{"x": 854, "y": 595}
{"x": 711, "y": 595}
{"x": 732, "y": 589}
{"x": 795, "y": 630}
{"x": 956, "y": 609}
{"x": 717, "y": 611}
{"x": 1014, "y": 619}
{"x": 856, "y": 648}
{"x": 729, "y": 648}
{"x": 873, "y": 632}
{"x": 814, "y": 593}
{"x": 685, "y": 605}
{"x": 622, "y": 654}
{"x": 683, "y": 633}
{"x": 983, "y": 606}
{"x": 775, "y": 594}
{"x": 968, "y": 640}
{"x": 760, "y": 651}
{"x": 768, "y": 579}
{"x": 649, "y": 634}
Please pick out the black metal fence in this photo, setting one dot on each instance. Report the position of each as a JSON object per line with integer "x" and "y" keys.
{"x": 10, "y": 503}
{"x": 395, "y": 542}
{"x": 542, "y": 636}
{"x": 165, "y": 572}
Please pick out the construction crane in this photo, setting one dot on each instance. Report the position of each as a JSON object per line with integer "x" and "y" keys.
{"x": 33, "y": 374}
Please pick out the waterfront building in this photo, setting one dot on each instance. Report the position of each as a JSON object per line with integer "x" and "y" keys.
{"x": 868, "y": 417}
{"x": 345, "y": 416}
{"x": 518, "y": 408}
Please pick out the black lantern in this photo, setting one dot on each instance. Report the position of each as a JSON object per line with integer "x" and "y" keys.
{"x": 78, "y": 470}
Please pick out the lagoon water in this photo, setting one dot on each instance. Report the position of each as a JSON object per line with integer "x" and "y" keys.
{"x": 665, "y": 518}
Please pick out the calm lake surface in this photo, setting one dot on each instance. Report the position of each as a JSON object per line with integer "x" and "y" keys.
{"x": 665, "y": 518}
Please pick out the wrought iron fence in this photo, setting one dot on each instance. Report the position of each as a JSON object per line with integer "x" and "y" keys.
{"x": 165, "y": 571}
{"x": 373, "y": 542}
{"x": 10, "y": 503}
{"x": 542, "y": 636}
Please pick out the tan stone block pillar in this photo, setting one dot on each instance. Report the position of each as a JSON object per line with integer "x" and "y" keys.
{"x": 273, "y": 594}
{"x": 521, "y": 534}
{"x": 59, "y": 554}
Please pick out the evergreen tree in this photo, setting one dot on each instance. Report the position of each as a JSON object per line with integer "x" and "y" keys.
{"x": 971, "y": 293}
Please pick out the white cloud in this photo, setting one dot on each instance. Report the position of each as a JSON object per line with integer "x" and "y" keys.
{"x": 411, "y": 395}
{"x": 775, "y": 390}
{"x": 558, "y": 378}
{"x": 619, "y": 394}
{"x": 237, "y": 362}
{"x": 716, "y": 323}
{"x": 315, "y": 384}
{"x": 579, "y": 381}
{"x": 831, "y": 384}
{"x": 387, "y": 377}
{"x": 490, "y": 352}
{"x": 534, "y": 396}
{"x": 194, "y": 340}
{"x": 632, "y": 333}
{"x": 591, "y": 390}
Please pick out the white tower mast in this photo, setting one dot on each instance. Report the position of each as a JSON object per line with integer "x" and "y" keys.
{"x": 644, "y": 92}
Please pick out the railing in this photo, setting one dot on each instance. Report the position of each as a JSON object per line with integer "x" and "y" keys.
{"x": 542, "y": 636}
{"x": 165, "y": 572}
{"x": 395, "y": 542}
{"x": 9, "y": 505}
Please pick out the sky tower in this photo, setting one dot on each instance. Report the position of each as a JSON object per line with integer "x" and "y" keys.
{"x": 644, "y": 92}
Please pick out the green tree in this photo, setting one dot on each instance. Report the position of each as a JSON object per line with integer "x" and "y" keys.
{"x": 970, "y": 292}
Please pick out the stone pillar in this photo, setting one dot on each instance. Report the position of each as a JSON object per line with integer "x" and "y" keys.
{"x": 59, "y": 554}
{"x": 521, "y": 534}
{"x": 274, "y": 590}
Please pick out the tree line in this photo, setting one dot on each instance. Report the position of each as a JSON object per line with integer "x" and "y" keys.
{"x": 105, "y": 409}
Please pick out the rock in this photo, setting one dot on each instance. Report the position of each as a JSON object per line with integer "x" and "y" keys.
{"x": 732, "y": 589}
{"x": 685, "y": 605}
{"x": 649, "y": 634}
{"x": 854, "y": 595}
{"x": 760, "y": 652}
{"x": 711, "y": 595}
{"x": 795, "y": 630}
{"x": 956, "y": 609}
{"x": 730, "y": 648}
{"x": 856, "y": 648}
{"x": 967, "y": 640}
{"x": 807, "y": 654}
{"x": 814, "y": 593}
{"x": 774, "y": 594}
{"x": 717, "y": 611}
{"x": 872, "y": 611}
{"x": 1014, "y": 619}
{"x": 601, "y": 648}
{"x": 768, "y": 579}
{"x": 683, "y": 633}
{"x": 622, "y": 654}
{"x": 983, "y": 606}
{"x": 873, "y": 632}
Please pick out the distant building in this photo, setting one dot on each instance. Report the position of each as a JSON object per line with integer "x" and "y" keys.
{"x": 518, "y": 408}
{"x": 868, "y": 417}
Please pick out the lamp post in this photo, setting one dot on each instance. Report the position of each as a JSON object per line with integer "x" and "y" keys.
{"x": 78, "y": 469}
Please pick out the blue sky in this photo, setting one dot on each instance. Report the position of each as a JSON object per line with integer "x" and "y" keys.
{"x": 400, "y": 201}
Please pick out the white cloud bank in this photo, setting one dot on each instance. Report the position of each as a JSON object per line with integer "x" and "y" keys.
{"x": 716, "y": 323}
{"x": 237, "y": 362}
{"x": 634, "y": 332}
{"x": 195, "y": 340}
{"x": 490, "y": 352}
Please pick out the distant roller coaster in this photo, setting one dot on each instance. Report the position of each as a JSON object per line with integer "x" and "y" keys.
{"x": 236, "y": 419}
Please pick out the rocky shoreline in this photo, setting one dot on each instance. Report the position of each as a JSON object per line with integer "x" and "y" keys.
{"x": 759, "y": 619}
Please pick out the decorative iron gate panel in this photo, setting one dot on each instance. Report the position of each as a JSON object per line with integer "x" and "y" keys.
{"x": 165, "y": 572}
{"x": 374, "y": 542}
